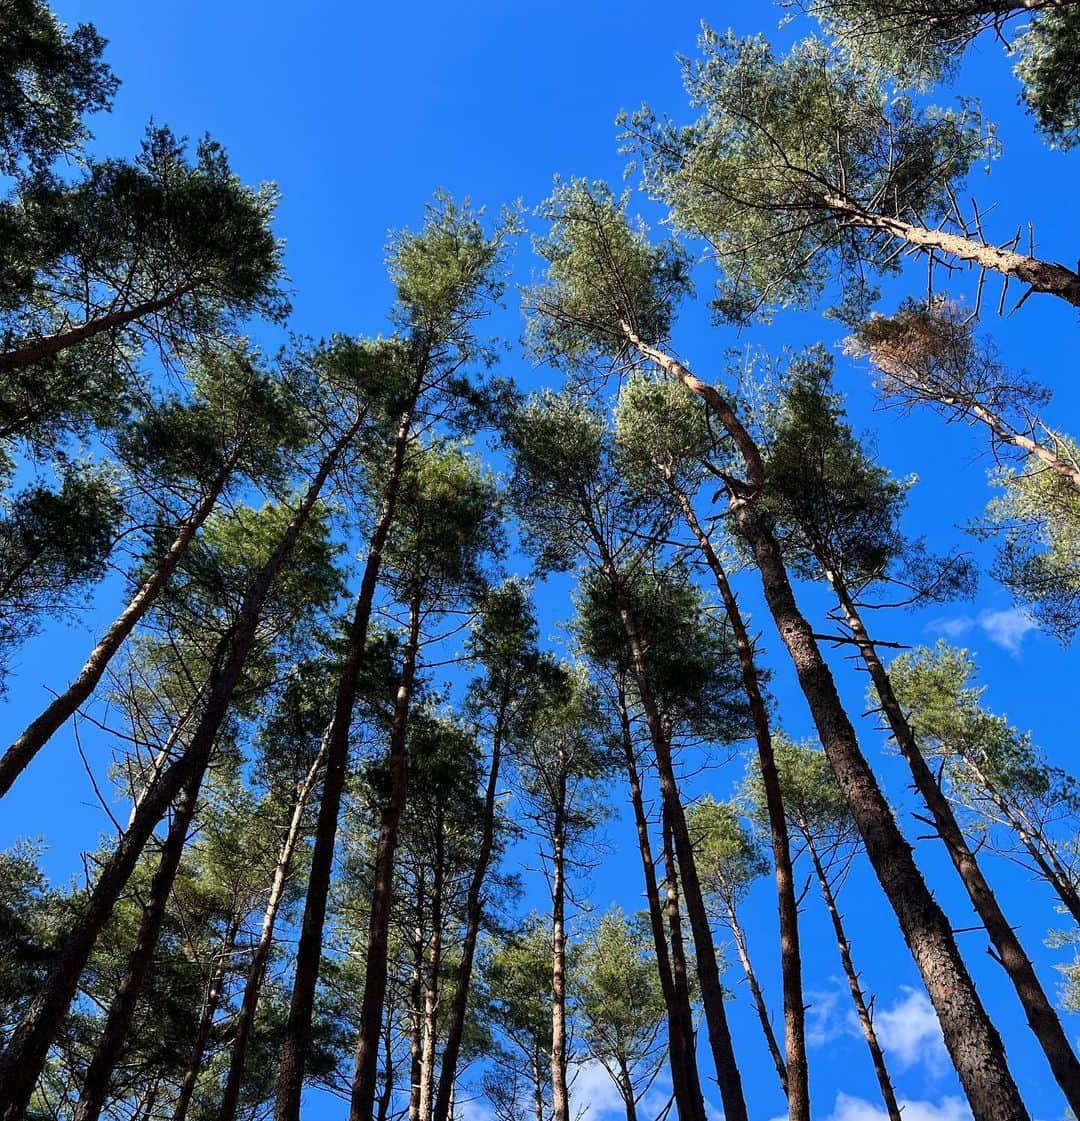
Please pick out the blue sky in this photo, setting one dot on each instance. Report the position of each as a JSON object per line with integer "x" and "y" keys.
{"x": 358, "y": 112}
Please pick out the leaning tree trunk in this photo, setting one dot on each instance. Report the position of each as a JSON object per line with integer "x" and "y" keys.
{"x": 1041, "y": 276}
{"x": 739, "y": 936}
{"x": 23, "y": 1061}
{"x": 40, "y": 730}
{"x": 794, "y": 1074}
{"x": 309, "y": 948}
{"x": 473, "y": 914}
{"x": 37, "y": 351}
{"x": 560, "y": 1095}
{"x": 95, "y": 1087}
{"x": 245, "y": 1019}
{"x": 972, "y": 1040}
{"x": 1041, "y": 1017}
{"x": 862, "y": 1009}
{"x": 712, "y": 993}
{"x": 362, "y": 1102}
{"x": 686, "y": 1083}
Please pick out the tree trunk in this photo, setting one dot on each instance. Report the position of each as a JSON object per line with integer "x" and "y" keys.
{"x": 309, "y": 949}
{"x": 434, "y": 965}
{"x": 206, "y": 1022}
{"x": 682, "y": 1059}
{"x": 759, "y": 998}
{"x": 387, "y": 1095}
{"x": 245, "y": 1019}
{"x": 416, "y": 1017}
{"x": 121, "y": 1013}
{"x": 23, "y": 1060}
{"x": 1041, "y": 276}
{"x": 796, "y": 1079}
{"x": 40, "y": 349}
{"x": 371, "y": 1009}
{"x": 39, "y": 731}
{"x": 560, "y": 1097}
{"x": 712, "y": 993}
{"x": 473, "y": 913}
{"x": 866, "y": 1020}
{"x": 1041, "y": 1017}
{"x": 972, "y": 1040}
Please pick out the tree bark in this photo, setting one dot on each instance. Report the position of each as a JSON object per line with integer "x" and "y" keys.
{"x": 24, "y": 1058}
{"x": 866, "y": 1020}
{"x": 434, "y": 966}
{"x": 795, "y": 1078}
{"x": 51, "y": 345}
{"x": 560, "y": 1096}
{"x": 682, "y": 1059}
{"x": 41, "y": 729}
{"x": 1041, "y": 276}
{"x": 362, "y": 1103}
{"x": 972, "y": 1040}
{"x": 245, "y": 1019}
{"x": 473, "y": 914}
{"x": 309, "y": 949}
{"x": 121, "y": 1013}
{"x": 712, "y": 993}
{"x": 1041, "y": 1017}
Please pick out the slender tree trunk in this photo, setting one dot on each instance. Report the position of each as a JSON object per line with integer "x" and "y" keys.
{"x": 387, "y": 1095}
{"x": 40, "y": 349}
{"x": 1041, "y": 1017}
{"x": 862, "y": 1009}
{"x": 680, "y": 975}
{"x": 473, "y": 913}
{"x": 206, "y": 1022}
{"x": 245, "y": 1019}
{"x": 682, "y": 1059}
{"x": 538, "y": 1088}
{"x": 371, "y": 1008}
{"x": 972, "y": 1040}
{"x": 560, "y": 1096}
{"x": 1042, "y": 276}
{"x": 712, "y": 993}
{"x": 121, "y": 1013}
{"x": 162, "y": 757}
{"x": 23, "y": 1060}
{"x": 626, "y": 1088}
{"x": 416, "y": 1016}
{"x": 760, "y": 1007}
{"x": 434, "y": 966}
{"x": 39, "y": 731}
{"x": 309, "y": 949}
{"x": 796, "y": 1077}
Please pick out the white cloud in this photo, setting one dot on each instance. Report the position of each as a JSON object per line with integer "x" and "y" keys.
{"x": 910, "y": 1032}
{"x": 829, "y": 1014}
{"x": 1007, "y": 628}
{"x": 593, "y": 1093}
{"x": 849, "y": 1108}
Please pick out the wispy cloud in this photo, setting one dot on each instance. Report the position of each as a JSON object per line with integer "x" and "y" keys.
{"x": 1007, "y": 628}
{"x": 849, "y": 1108}
{"x": 830, "y": 1014}
{"x": 909, "y": 1031}
{"x": 593, "y": 1093}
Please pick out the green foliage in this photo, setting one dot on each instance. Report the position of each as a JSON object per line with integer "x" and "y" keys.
{"x": 620, "y": 1001}
{"x": 785, "y": 150}
{"x": 1037, "y": 518}
{"x": 54, "y": 544}
{"x": 1048, "y": 62}
{"x": 603, "y": 277}
{"x": 813, "y": 802}
{"x": 50, "y": 78}
{"x": 28, "y": 929}
{"x": 689, "y": 658}
{"x": 727, "y": 853}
